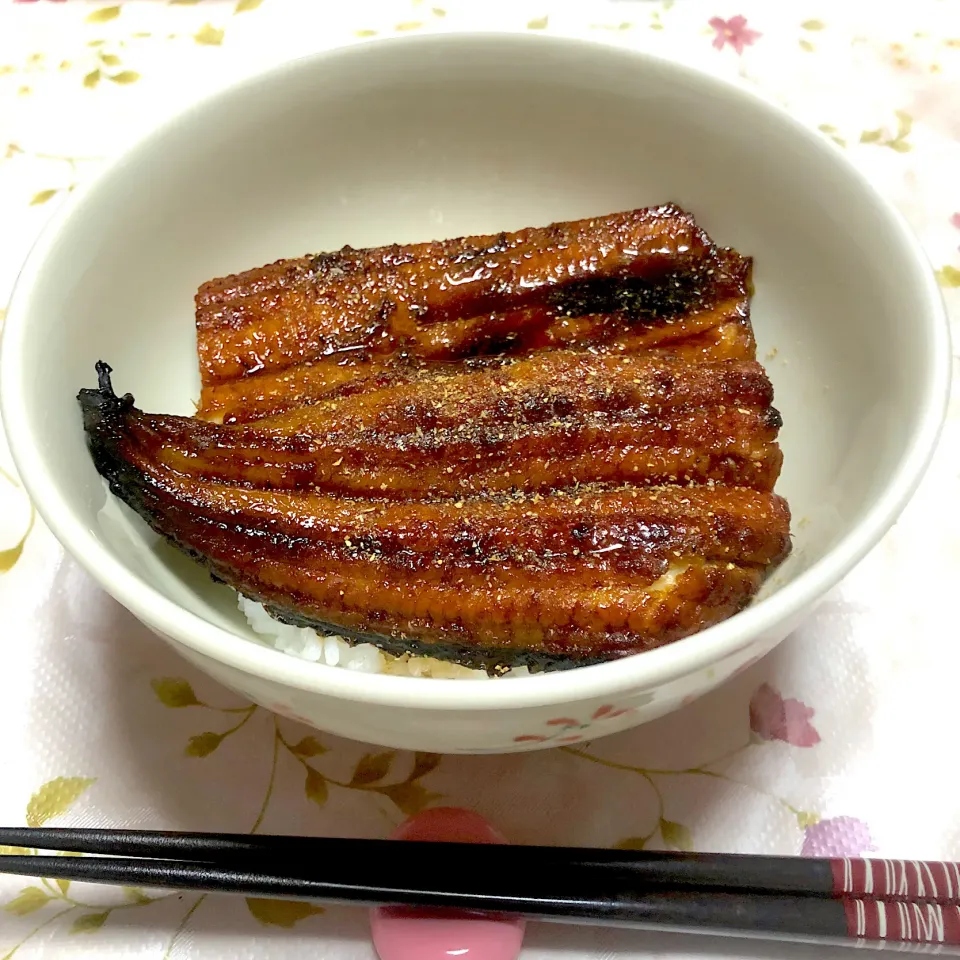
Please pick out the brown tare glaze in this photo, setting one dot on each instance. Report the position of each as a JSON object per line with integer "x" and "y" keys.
{"x": 246, "y": 399}
{"x": 548, "y": 448}
{"x": 447, "y": 299}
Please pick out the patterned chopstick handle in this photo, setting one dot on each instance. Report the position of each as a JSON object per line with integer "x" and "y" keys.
{"x": 903, "y": 921}
{"x": 925, "y": 880}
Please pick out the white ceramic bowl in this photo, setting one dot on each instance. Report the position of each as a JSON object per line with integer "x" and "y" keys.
{"x": 439, "y": 136}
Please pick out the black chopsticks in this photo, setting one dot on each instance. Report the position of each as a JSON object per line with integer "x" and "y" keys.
{"x": 873, "y": 901}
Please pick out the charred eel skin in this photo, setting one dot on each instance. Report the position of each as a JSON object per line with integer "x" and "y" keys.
{"x": 519, "y": 516}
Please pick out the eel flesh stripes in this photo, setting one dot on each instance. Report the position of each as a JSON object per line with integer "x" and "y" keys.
{"x": 546, "y": 448}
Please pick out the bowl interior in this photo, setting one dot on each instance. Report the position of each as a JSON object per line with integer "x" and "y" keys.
{"x": 438, "y": 137}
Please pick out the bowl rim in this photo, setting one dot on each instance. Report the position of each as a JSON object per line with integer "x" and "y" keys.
{"x": 634, "y": 674}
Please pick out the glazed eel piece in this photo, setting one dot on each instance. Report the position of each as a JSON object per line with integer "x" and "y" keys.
{"x": 265, "y": 394}
{"x": 450, "y": 299}
{"x": 560, "y": 509}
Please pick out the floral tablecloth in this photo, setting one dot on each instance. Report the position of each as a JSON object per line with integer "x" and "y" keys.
{"x": 839, "y": 742}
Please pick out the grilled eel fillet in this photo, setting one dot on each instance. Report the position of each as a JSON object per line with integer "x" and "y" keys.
{"x": 298, "y": 330}
{"x": 553, "y": 510}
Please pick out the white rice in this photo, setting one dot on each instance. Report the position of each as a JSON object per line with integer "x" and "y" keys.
{"x": 334, "y": 651}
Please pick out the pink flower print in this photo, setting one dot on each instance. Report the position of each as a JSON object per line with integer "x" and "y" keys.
{"x": 837, "y": 837}
{"x": 608, "y": 712}
{"x": 734, "y": 32}
{"x": 773, "y": 718}
{"x": 571, "y": 730}
{"x": 955, "y": 220}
